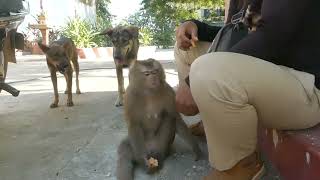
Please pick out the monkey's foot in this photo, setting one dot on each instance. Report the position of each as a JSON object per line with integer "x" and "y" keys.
{"x": 78, "y": 91}
{"x": 197, "y": 129}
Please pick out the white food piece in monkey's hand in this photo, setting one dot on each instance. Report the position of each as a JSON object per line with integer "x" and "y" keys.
{"x": 152, "y": 163}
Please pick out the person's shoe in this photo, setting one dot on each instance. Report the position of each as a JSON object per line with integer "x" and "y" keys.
{"x": 197, "y": 129}
{"x": 250, "y": 168}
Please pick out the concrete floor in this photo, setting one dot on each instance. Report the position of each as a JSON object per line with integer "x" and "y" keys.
{"x": 74, "y": 143}
{"x": 39, "y": 143}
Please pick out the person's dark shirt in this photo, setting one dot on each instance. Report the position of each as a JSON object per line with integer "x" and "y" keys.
{"x": 289, "y": 36}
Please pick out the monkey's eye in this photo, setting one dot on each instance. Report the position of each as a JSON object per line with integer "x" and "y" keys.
{"x": 154, "y": 71}
{"x": 146, "y": 73}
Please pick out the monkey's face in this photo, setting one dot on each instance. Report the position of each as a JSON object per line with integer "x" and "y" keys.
{"x": 148, "y": 74}
{"x": 152, "y": 78}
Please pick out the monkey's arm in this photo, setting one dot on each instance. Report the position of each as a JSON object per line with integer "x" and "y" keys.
{"x": 185, "y": 134}
{"x": 137, "y": 141}
{"x": 165, "y": 135}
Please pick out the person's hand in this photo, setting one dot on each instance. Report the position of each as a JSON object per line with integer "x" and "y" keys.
{"x": 184, "y": 101}
{"x": 187, "y": 35}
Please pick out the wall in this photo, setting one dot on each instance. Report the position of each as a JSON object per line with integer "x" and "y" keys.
{"x": 58, "y": 12}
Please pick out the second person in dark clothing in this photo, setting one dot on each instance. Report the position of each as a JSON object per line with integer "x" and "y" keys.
{"x": 271, "y": 76}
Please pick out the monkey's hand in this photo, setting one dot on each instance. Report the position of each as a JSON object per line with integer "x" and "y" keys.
{"x": 152, "y": 164}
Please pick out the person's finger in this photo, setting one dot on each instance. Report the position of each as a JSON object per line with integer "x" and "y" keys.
{"x": 183, "y": 38}
{"x": 185, "y": 46}
{"x": 194, "y": 35}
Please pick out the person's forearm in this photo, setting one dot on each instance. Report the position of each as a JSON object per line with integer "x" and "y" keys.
{"x": 205, "y": 31}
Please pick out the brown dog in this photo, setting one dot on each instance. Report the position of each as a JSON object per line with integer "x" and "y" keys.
{"x": 125, "y": 51}
{"x": 61, "y": 55}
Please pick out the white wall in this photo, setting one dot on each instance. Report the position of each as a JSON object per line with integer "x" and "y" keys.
{"x": 58, "y": 12}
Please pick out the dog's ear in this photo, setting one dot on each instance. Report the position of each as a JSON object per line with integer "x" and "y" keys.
{"x": 107, "y": 32}
{"x": 133, "y": 31}
{"x": 66, "y": 45}
{"x": 43, "y": 47}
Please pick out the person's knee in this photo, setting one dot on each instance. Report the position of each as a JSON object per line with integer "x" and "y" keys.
{"x": 209, "y": 65}
{"x": 214, "y": 74}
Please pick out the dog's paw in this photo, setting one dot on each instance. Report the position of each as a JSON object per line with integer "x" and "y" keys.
{"x": 119, "y": 102}
{"x": 70, "y": 103}
{"x": 78, "y": 91}
{"x": 54, "y": 105}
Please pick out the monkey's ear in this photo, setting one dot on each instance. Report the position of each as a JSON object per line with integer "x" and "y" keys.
{"x": 43, "y": 47}
{"x": 107, "y": 32}
{"x": 133, "y": 31}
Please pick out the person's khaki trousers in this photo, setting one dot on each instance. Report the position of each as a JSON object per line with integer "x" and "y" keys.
{"x": 234, "y": 91}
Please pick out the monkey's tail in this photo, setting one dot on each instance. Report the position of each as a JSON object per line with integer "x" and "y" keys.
{"x": 125, "y": 164}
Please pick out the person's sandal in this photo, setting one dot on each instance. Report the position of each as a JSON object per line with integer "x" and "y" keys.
{"x": 250, "y": 168}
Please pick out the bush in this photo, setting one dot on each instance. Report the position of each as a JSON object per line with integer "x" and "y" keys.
{"x": 145, "y": 36}
{"x": 81, "y": 32}
{"x": 101, "y": 25}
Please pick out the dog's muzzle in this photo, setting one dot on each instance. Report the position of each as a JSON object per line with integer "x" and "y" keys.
{"x": 119, "y": 61}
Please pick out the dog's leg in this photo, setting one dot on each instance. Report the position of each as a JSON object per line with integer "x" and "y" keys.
{"x": 55, "y": 88}
{"x": 68, "y": 76}
{"x": 119, "y": 101}
{"x": 66, "y": 91}
{"x": 76, "y": 68}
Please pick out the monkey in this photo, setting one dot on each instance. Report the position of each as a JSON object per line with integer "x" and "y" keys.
{"x": 152, "y": 121}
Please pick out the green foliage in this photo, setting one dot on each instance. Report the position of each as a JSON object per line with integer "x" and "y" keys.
{"x": 81, "y": 32}
{"x": 102, "y": 9}
{"x": 84, "y": 33}
{"x": 156, "y": 20}
{"x": 161, "y": 17}
{"x": 100, "y": 26}
{"x": 142, "y": 21}
{"x": 164, "y": 37}
{"x": 145, "y": 36}
{"x": 103, "y": 21}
